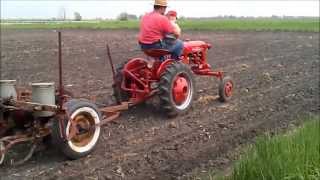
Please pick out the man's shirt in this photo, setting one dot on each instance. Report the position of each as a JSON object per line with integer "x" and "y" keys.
{"x": 153, "y": 27}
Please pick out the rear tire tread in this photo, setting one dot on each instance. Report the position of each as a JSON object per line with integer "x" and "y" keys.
{"x": 165, "y": 89}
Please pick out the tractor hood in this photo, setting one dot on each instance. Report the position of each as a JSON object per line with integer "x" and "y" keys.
{"x": 194, "y": 46}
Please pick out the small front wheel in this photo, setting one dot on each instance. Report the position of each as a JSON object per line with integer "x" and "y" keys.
{"x": 81, "y": 128}
{"x": 226, "y": 89}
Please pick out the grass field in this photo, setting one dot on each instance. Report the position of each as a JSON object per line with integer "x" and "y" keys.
{"x": 295, "y": 155}
{"x": 267, "y": 24}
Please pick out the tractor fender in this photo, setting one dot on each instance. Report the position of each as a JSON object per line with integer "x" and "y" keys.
{"x": 133, "y": 62}
{"x": 163, "y": 66}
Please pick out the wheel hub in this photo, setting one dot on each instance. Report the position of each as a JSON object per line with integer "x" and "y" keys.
{"x": 82, "y": 124}
{"x": 228, "y": 89}
{"x": 180, "y": 90}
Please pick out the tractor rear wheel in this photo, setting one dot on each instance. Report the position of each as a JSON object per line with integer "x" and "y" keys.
{"x": 176, "y": 89}
{"x": 119, "y": 94}
{"x": 226, "y": 89}
{"x": 80, "y": 126}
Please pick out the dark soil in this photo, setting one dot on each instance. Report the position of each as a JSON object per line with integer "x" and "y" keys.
{"x": 277, "y": 82}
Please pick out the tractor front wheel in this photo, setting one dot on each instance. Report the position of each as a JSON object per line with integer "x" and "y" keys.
{"x": 226, "y": 87}
{"x": 176, "y": 89}
{"x": 81, "y": 128}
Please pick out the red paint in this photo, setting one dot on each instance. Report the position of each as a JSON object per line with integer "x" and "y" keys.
{"x": 154, "y": 26}
{"x": 138, "y": 77}
{"x": 180, "y": 90}
{"x": 228, "y": 89}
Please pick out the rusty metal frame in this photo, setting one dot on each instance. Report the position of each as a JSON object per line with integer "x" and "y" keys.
{"x": 10, "y": 141}
{"x": 111, "y": 62}
{"x": 31, "y": 106}
{"x": 61, "y": 88}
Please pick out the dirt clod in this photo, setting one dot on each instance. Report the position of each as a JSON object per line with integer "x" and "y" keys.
{"x": 172, "y": 125}
{"x": 267, "y": 76}
{"x": 206, "y": 99}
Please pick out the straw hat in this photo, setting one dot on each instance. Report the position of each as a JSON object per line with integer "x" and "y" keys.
{"x": 160, "y": 3}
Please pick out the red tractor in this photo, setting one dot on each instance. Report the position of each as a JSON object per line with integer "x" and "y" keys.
{"x": 73, "y": 125}
{"x": 172, "y": 80}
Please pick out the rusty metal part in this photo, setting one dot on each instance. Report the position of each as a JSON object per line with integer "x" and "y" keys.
{"x": 61, "y": 116}
{"x": 24, "y": 94}
{"x": 31, "y": 106}
{"x": 3, "y": 128}
{"x": 9, "y": 141}
{"x": 109, "y": 114}
{"x": 111, "y": 109}
{"x": 111, "y": 63}
{"x": 81, "y": 131}
{"x": 27, "y": 157}
{"x": 61, "y": 88}
{"x": 113, "y": 112}
{"x": 109, "y": 118}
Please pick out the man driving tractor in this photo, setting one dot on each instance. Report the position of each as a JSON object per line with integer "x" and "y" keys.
{"x": 156, "y": 31}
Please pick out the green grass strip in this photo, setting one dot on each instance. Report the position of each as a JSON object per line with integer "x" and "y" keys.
{"x": 293, "y": 156}
{"x": 261, "y": 24}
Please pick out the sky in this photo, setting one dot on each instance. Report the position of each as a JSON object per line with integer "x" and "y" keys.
{"x": 44, "y": 9}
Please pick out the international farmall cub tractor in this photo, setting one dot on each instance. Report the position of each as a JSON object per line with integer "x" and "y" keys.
{"x": 73, "y": 125}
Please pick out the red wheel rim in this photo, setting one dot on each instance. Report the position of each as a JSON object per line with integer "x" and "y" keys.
{"x": 228, "y": 89}
{"x": 180, "y": 90}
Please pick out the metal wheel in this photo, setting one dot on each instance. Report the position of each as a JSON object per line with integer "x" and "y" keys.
{"x": 226, "y": 87}
{"x": 85, "y": 137}
{"x": 182, "y": 91}
{"x": 79, "y": 128}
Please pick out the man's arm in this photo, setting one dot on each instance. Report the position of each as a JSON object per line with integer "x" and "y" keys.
{"x": 169, "y": 28}
{"x": 176, "y": 30}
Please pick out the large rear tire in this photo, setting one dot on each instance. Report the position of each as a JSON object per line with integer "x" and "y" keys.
{"x": 84, "y": 116}
{"x": 176, "y": 89}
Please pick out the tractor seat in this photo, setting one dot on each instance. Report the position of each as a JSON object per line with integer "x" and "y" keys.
{"x": 156, "y": 53}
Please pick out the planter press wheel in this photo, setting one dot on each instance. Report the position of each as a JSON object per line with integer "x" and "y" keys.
{"x": 226, "y": 87}
{"x": 80, "y": 127}
{"x": 176, "y": 89}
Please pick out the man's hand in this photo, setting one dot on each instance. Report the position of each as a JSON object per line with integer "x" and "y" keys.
{"x": 171, "y": 36}
{"x": 177, "y": 30}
